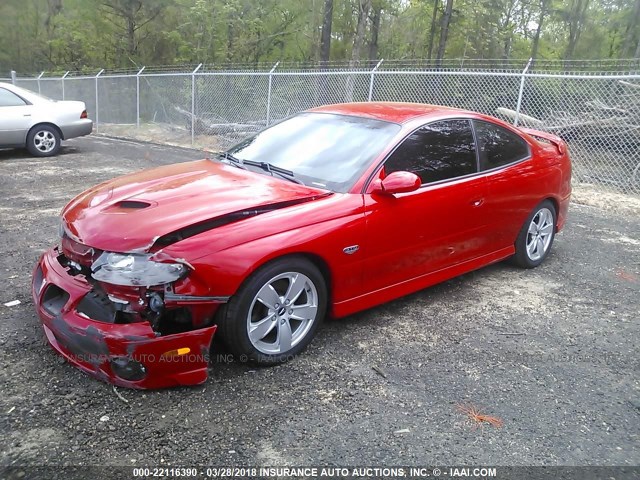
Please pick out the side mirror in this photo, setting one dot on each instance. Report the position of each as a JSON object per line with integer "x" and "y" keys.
{"x": 396, "y": 182}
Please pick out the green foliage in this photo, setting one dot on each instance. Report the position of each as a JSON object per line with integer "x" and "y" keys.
{"x": 91, "y": 34}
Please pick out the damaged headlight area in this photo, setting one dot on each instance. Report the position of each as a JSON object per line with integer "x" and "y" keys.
{"x": 135, "y": 270}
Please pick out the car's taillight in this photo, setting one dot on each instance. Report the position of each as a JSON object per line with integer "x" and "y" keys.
{"x": 84, "y": 114}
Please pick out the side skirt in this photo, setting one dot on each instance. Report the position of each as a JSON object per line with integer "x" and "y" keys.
{"x": 383, "y": 295}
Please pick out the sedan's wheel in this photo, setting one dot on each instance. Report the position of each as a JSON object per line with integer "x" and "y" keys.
{"x": 43, "y": 141}
{"x": 276, "y": 312}
{"x": 536, "y": 236}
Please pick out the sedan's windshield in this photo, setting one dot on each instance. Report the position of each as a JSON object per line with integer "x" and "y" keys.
{"x": 321, "y": 149}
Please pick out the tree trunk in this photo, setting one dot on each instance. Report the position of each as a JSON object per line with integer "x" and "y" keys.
{"x": 131, "y": 36}
{"x": 375, "y": 31}
{"x": 576, "y": 22}
{"x": 444, "y": 30}
{"x": 536, "y": 39}
{"x": 508, "y": 32}
{"x": 325, "y": 37}
{"x": 434, "y": 24}
{"x": 230, "y": 40}
{"x": 55, "y": 7}
{"x": 632, "y": 27}
{"x": 358, "y": 42}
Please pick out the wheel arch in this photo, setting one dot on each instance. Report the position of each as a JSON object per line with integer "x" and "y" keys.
{"x": 48, "y": 124}
{"x": 556, "y": 204}
{"x": 316, "y": 260}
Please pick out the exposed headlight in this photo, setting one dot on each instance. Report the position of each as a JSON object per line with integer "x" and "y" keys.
{"x": 136, "y": 270}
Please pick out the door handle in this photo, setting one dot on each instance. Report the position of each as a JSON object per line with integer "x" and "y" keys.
{"x": 478, "y": 202}
{"x": 27, "y": 115}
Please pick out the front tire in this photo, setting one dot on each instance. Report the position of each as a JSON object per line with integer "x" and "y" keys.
{"x": 43, "y": 141}
{"x": 276, "y": 312}
{"x": 536, "y": 236}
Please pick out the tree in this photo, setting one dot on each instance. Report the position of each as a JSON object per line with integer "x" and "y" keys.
{"x": 325, "y": 38}
{"x": 575, "y": 18}
{"x": 432, "y": 30}
{"x": 544, "y": 9}
{"x": 129, "y": 16}
{"x": 375, "y": 31}
{"x": 358, "y": 42}
{"x": 444, "y": 30}
{"x": 632, "y": 31}
{"x": 88, "y": 35}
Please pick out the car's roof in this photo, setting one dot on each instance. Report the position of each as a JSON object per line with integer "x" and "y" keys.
{"x": 396, "y": 112}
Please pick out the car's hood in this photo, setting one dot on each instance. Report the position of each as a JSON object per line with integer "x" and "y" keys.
{"x": 130, "y": 213}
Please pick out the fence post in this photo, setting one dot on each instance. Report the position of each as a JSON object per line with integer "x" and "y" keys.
{"x": 371, "y": 79}
{"x": 62, "y": 80}
{"x": 193, "y": 104}
{"x": 519, "y": 103}
{"x": 13, "y": 77}
{"x": 269, "y": 92}
{"x": 41, "y": 73}
{"x": 138, "y": 97}
{"x": 97, "y": 109}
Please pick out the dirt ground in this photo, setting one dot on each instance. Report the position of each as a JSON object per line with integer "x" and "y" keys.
{"x": 552, "y": 352}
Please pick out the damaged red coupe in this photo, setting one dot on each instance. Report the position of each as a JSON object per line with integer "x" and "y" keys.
{"x": 328, "y": 212}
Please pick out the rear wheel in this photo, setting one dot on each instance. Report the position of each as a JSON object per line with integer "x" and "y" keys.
{"x": 536, "y": 236}
{"x": 43, "y": 141}
{"x": 276, "y": 312}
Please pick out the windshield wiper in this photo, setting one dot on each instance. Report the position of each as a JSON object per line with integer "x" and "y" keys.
{"x": 268, "y": 167}
{"x": 230, "y": 159}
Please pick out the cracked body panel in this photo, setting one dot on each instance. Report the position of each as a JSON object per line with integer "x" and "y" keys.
{"x": 100, "y": 348}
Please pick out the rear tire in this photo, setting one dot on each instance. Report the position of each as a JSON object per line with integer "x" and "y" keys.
{"x": 43, "y": 141}
{"x": 536, "y": 236}
{"x": 275, "y": 313}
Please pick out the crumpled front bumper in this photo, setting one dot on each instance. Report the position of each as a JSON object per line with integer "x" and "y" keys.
{"x": 129, "y": 355}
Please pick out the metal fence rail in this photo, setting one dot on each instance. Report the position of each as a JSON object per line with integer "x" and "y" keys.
{"x": 597, "y": 114}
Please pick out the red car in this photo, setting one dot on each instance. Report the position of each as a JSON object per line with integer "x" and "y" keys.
{"x": 328, "y": 212}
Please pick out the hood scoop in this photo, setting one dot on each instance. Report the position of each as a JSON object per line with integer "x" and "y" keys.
{"x": 134, "y": 204}
{"x": 125, "y": 206}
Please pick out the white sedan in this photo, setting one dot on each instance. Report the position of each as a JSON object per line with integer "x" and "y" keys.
{"x": 39, "y": 123}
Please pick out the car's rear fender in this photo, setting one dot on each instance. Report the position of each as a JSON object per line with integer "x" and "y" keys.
{"x": 48, "y": 124}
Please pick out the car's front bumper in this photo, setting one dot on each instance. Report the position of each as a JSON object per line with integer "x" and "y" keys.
{"x": 130, "y": 355}
{"x": 79, "y": 128}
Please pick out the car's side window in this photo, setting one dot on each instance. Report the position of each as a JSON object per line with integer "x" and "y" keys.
{"x": 10, "y": 99}
{"x": 437, "y": 151}
{"x": 498, "y": 146}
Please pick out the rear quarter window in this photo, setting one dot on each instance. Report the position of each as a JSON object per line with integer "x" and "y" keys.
{"x": 10, "y": 99}
{"x": 498, "y": 146}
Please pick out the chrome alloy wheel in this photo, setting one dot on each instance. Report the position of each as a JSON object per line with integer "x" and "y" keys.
{"x": 282, "y": 313}
{"x": 539, "y": 234}
{"x": 44, "y": 141}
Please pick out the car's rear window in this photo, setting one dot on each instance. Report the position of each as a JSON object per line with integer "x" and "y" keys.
{"x": 322, "y": 149}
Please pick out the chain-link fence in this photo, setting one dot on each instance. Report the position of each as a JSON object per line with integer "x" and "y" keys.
{"x": 597, "y": 114}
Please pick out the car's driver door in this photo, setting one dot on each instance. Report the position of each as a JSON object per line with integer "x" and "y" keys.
{"x": 437, "y": 226}
{"x": 15, "y": 118}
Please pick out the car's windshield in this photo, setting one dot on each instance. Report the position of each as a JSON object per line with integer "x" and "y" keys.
{"x": 321, "y": 149}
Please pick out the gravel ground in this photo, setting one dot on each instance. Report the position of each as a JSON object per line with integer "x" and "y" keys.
{"x": 380, "y": 387}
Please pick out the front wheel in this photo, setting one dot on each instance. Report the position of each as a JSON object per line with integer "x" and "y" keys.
{"x": 43, "y": 141}
{"x": 536, "y": 236}
{"x": 276, "y": 312}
